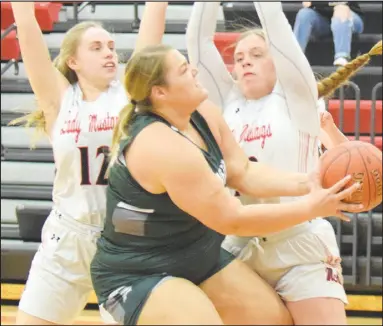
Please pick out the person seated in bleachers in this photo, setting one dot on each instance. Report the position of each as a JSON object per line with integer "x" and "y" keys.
{"x": 318, "y": 19}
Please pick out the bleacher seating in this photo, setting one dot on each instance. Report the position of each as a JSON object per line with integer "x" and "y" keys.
{"x": 47, "y": 13}
{"x": 27, "y": 175}
{"x": 320, "y": 54}
{"x": 9, "y": 46}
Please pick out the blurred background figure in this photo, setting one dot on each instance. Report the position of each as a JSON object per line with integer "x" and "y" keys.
{"x": 318, "y": 19}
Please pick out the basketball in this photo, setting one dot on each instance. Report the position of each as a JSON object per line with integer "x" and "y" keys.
{"x": 361, "y": 160}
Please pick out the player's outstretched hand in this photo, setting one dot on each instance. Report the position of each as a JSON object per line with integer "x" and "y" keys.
{"x": 326, "y": 120}
{"x": 329, "y": 202}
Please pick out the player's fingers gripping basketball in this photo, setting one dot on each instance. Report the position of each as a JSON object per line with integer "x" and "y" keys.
{"x": 339, "y": 189}
{"x": 328, "y": 202}
{"x": 339, "y": 193}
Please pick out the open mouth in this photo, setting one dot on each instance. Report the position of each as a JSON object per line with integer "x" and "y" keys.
{"x": 110, "y": 65}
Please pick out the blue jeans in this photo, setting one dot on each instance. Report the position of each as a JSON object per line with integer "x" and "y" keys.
{"x": 311, "y": 24}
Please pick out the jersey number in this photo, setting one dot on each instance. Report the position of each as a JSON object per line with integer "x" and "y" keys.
{"x": 85, "y": 176}
{"x": 251, "y": 159}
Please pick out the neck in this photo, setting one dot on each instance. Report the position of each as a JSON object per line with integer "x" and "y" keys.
{"x": 92, "y": 91}
{"x": 175, "y": 117}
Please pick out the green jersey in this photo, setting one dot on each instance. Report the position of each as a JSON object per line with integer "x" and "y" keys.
{"x": 147, "y": 234}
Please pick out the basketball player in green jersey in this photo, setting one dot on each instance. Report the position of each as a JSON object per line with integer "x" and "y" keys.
{"x": 159, "y": 260}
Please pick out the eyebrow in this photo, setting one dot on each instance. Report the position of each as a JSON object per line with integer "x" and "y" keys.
{"x": 252, "y": 49}
{"x": 110, "y": 42}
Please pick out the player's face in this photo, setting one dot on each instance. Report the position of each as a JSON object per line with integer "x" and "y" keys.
{"x": 254, "y": 67}
{"x": 96, "y": 57}
{"x": 182, "y": 89}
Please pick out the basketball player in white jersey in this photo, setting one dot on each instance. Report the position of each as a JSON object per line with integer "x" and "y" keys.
{"x": 272, "y": 110}
{"x": 79, "y": 99}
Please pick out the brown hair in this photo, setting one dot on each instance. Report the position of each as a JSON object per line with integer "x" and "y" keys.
{"x": 330, "y": 84}
{"x": 145, "y": 69}
{"x": 68, "y": 48}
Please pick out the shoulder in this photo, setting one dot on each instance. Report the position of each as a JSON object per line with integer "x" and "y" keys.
{"x": 155, "y": 141}
{"x": 214, "y": 118}
{"x": 117, "y": 91}
{"x": 158, "y": 152}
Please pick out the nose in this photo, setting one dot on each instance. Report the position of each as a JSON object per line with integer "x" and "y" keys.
{"x": 246, "y": 62}
{"x": 108, "y": 53}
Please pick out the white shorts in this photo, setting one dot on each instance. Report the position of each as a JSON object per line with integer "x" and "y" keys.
{"x": 300, "y": 263}
{"x": 59, "y": 282}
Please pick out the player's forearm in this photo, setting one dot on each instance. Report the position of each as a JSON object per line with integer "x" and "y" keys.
{"x": 293, "y": 70}
{"x": 203, "y": 54}
{"x": 334, "y": 137}
{"x": 262, "y": 219}
{"x": 264, "y": 181}
{"x": 152, "y": 27}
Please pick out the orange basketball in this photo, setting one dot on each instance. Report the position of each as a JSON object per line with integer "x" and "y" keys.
{"x": 361, "y": 160}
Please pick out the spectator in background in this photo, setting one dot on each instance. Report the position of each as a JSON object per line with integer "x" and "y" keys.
{"x": 318, "y": 19}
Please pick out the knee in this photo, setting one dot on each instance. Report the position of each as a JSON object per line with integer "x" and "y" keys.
{"x": 337, "y": 23}
{"x": 284, "y": 318}
{"x": 341, "y": 14}
{"x": 279, "y": 314}
{"x": 305, "y": 15}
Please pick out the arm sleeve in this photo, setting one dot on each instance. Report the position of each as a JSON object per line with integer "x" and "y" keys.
{"x": 203, "y": 54}
{"x": 294, "y": 73}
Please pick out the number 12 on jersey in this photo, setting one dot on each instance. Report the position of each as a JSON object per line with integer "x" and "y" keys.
{"x": 85, "y": 174}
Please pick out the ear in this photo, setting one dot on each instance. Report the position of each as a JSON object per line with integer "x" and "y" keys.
{"x": 72, "y": 63}
{"x": 158, "y": 93}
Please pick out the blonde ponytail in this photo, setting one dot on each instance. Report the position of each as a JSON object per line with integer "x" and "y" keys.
{"x": 329, "y": 84}
{"x": 121, "y": 130}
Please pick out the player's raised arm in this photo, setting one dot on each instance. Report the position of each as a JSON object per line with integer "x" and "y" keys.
{"x": 294, "y": 72}
{"x": 203, "y": 54}
{"x": 46, "y": 81}
{"x": 152, "y": 26}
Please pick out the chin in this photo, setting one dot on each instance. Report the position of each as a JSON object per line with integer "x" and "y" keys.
{"x": 204, "y": 93}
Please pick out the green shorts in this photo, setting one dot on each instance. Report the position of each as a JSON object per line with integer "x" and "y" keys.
{"x": 126, "y": 302}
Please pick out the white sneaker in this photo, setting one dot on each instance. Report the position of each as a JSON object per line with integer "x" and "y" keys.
{"x": 340, "y": 62}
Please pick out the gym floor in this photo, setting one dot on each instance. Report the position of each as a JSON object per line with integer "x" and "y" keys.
{"x": 12, "y": 293}
{"x": 91, "y": 317}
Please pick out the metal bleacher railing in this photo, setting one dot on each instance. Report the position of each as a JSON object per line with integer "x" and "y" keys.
{"x": 362, "y": 272}
{"x": 14, "y": 61}
{"x": 77, "y": 8}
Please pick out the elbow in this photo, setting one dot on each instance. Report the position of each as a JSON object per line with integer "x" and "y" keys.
{"x": 230, "y": 221}
{"x": 192, "y": 41}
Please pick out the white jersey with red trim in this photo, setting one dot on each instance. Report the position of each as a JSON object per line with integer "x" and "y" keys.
{"x": 280, "y": 129}
{"x": 80, "y": 140}
{"x": 264, "y": 130}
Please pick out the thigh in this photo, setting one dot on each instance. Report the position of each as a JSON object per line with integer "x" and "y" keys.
{"x": 22, "y": 318}
{"x": 317, "y": 280}
{"x": 242, "y": 297}
{"x": 59, "y": 283}
{"x": 321, "y": 26}
{"x": 51, "y": 296}
{"x": 160, "y": 300}
{"x": 310, "y": 262}
{"x": 318, "y": 311}
{"x": 357, "y": 23}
